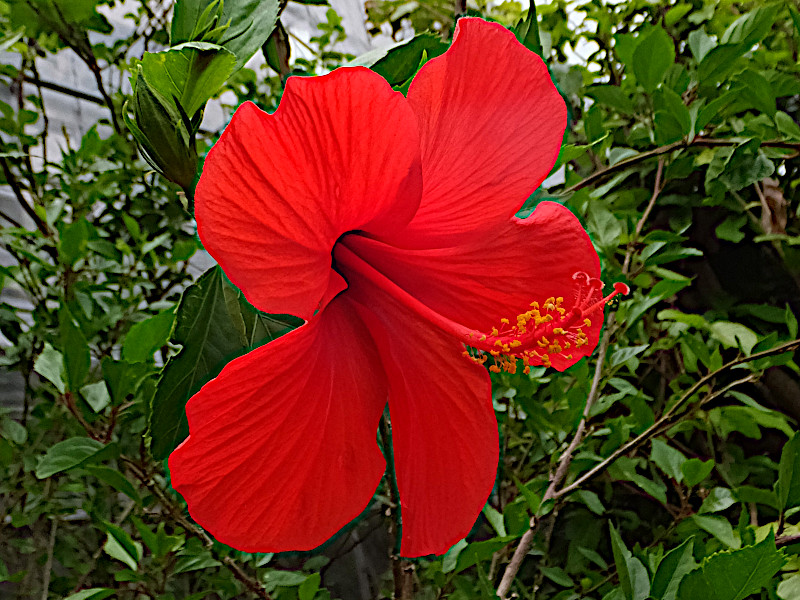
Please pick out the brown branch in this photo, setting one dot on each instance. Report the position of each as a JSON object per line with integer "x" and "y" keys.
{"x": 667, "y": 418}
{"x": 786, "y": 540}
{"x": 565, "y": 460}
{"x": 176, "y": 513}
{"x": 14, "y": 185}
{"x": 48, "y": 565}
{"x": 698, "y": 141}
{"x": 55, "y": 87}
{"x": 657, "y": 188}
{"x": 402, "y": 570}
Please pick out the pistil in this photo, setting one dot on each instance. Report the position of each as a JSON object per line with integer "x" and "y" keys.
{"x": 546, "y": 329}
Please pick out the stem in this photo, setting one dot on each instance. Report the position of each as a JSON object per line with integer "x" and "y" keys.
{"x": 14, "y": 184}
{"x": 55, "y": 87}
{"x": 698, "y": 141}
{"x": 667, "y": 417}
{"x": 402, "y": 570}
{"x": 48, "y": 565}
{"x": 176, "y": 513}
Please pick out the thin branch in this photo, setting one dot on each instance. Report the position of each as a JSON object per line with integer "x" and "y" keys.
{"x": 402, "y": 570}
{"x": 14, "y": 185}
{"x": 657, "y": 188}
{"x": 48, "y": 565}
{"x": 176, "y": 513}
{"x": 668, "y": 416}
{"x": 565, "y": 460}
{"x": 698, "y": 141}
{"x": 61, "y": 89}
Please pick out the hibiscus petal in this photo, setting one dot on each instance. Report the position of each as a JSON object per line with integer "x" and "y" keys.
{"x": 282, "y": 450}
{"x": 340, "y": 153}
{"x": 444, "y": 430}
{"x": 497, "y": 274}
{"x": 491, "y": 125}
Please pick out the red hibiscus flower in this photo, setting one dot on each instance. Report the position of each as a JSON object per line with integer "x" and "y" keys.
{"x": 387, "y": 223}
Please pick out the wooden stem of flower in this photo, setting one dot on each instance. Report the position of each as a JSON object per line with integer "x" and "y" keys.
{"x": 402, "y": 570}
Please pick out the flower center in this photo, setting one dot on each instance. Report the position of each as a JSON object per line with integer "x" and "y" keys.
{"x": 546, "y": 330}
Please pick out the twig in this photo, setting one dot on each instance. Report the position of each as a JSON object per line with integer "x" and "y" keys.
{"x": 177, "y": 515}
{"x": 48, "y": 565}
{"x": 565, "y": 460}
{"x": 698, "y": 141}
{"x": 657, "y": 187}
{"x": 55, "y": 87}
{"x": 14, "y": 184}
{"x": 667, "y": 417}
{"x": 786, "y": 540}
{"x": 402, "y": 570}
{"x": 526, "y": 541}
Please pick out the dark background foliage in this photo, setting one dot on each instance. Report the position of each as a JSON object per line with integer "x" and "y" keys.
{"x": 664, "y": 467}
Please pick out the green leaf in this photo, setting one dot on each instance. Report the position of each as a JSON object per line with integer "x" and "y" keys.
{"x": 718, "y": 499}
{"x": 50, "y": 365}
{"x": 719, "y": 527}
{"x": 13, "y": 431}
{"x": 558, "y": 576}
{"x": 789, "y": 589}
{"x": 122, "y": 378}
{"x": 795, "y": 18}
{"x": 73, "y": 241}
{"x": 624, "y": 468}
{"x": 613, "y": 96}
{"x": 791, "y": 322}
{"x": 676, "y": 13}
{"x": 191, "y": 72}
{"x": 67, "y": 455}
{"x": 476, "y": 552}
{"x": 719, "y": 62}
{"x": 668, "y": 459}
{"x": 527, "y": 31}
{"x": 633, "y": 577}
{"x": 214, "y": 324}
{"x": 250, "y": 23}
{"x": 591, "y": 500}
{"x": 731, "y": 228}
{"x": 671, "y": 570}
{"x": 91, "y": 594}
{"x": 196, "y": 562}
{"x": 733, "y": 575}
{"x": 398, "y": 63}
{"x": 126, "y": 551}
{"x": 653, "y": 55}
{"x": 787, "y": 488}
{"x": 495, "y": 518}
{"x": 308, "y": 589}
{"x": 752, "y": 27}
{"x": 734, "y": 335}
{"x": 76, "y": 351}
{"x": 96, "y": 395}
{"x": 700, "y": 44}
{"x": 623, "y": 354}
{"x": 754, "y": 88}
{"x": 115, "y": 479}
{"x": 273, "y": 579}
{"x": 450, "y": 559}
{"x": 146, "y": 337}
